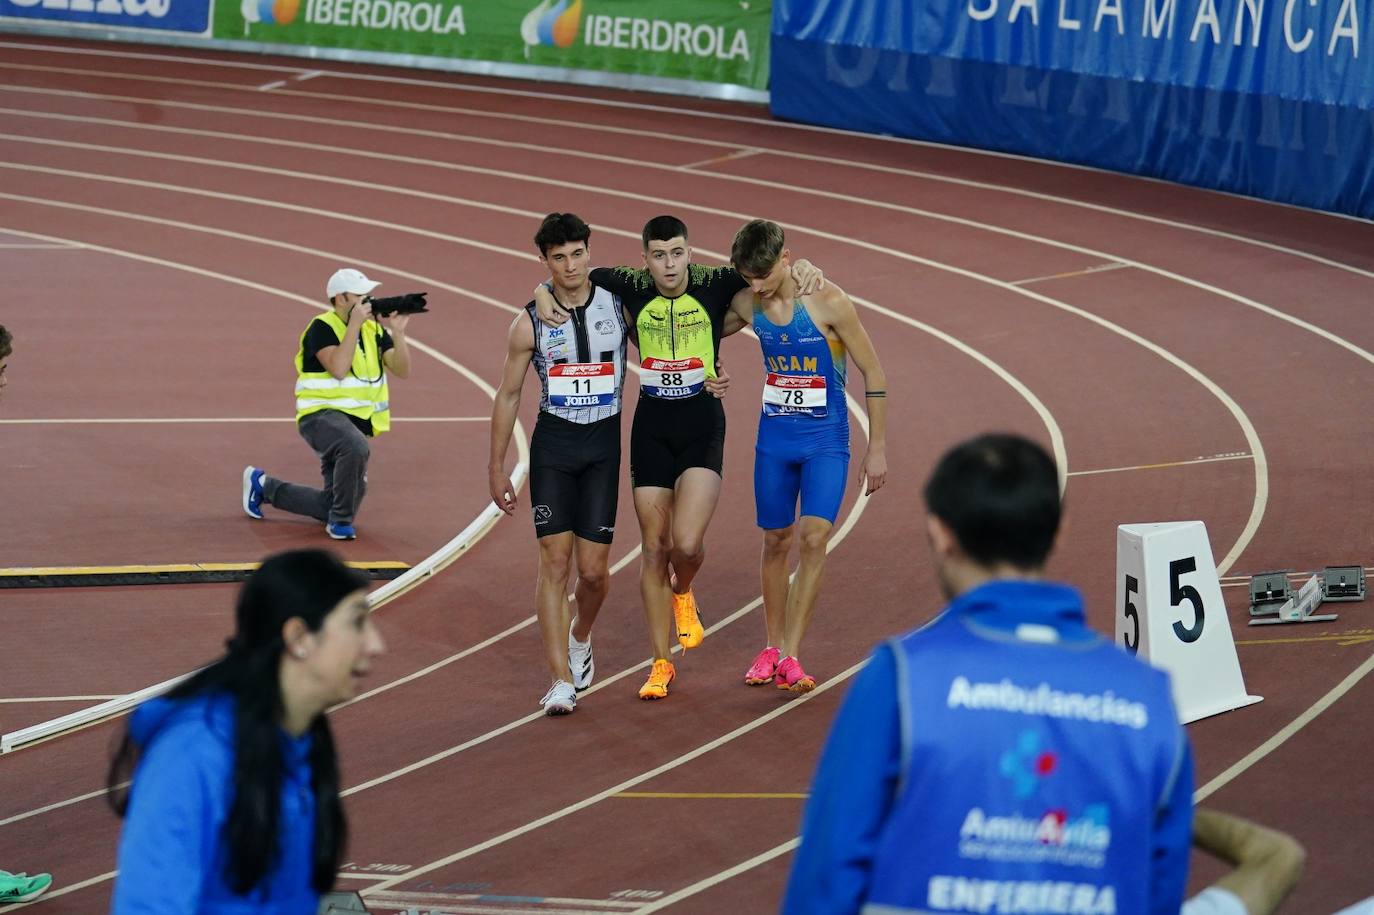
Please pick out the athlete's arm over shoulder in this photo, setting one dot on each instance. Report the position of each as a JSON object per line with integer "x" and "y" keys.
{"x": 505, "y": 407}
{"x": 741, "y": 313}
{"x": 622, "y": 281}
{"x": 832, "y": 308}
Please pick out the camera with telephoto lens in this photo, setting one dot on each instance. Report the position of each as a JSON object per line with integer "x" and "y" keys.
{"x": 408, "y": 304}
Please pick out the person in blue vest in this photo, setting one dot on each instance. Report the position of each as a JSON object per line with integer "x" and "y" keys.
{"x": 802, "y": 452}
{"x": 234, "y": 804}
{"x": 342, "y": 401}
{"x": 1004, "y": 757}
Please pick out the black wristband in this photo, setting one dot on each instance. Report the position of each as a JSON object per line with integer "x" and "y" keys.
{"x": 875, "y": 393}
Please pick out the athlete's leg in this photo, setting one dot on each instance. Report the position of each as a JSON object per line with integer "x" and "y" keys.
{"x": 598, "y": 499}
{"x": 654, "y": 508}
{"x": 551, "y": 600}
{"x": 813, "y": 533}
{"x": 593, "y": 584}
{"x": 777, "y": 550}
{"x": 694, "y": 502}
{"x": 822, "y": 491}
{"x": 777, "y": 482}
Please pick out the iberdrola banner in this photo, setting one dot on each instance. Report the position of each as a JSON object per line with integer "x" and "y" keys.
{"x": 710, "y": 41}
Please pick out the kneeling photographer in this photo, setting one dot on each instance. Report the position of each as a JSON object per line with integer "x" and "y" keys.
{"x": 342, "y": 400}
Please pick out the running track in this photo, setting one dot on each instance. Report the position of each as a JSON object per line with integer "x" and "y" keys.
{"x": 166, "y": 222}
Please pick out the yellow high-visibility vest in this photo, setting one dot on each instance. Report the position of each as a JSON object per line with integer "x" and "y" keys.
{"x": 361, "y": 393}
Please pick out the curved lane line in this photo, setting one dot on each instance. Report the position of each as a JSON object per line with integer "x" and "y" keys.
{"x": 1279, "y": 314}
{"x": 429, "y": 566}
{"x": 1255, "y": 447}
{"x": 679, "y": 111}
{"x": 789, "y": 154}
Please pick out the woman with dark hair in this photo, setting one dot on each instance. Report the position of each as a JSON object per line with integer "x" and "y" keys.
{"x": 234, "y": 805}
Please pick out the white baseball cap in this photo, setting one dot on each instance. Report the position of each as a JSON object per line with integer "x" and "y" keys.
{"x": 349, "y": 280}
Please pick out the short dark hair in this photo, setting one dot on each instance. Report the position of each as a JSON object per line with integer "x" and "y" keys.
{"x": 999, "y": 494}
{"x": 757, "y": 247}
{"x": 6, "y": 342}
{"x": 559, "y": 229}
{"x": 663, "y": 228}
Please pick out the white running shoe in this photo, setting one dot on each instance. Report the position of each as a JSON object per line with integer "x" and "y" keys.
{"x": 580, "y": 661}
{"x": 561, "y": 698}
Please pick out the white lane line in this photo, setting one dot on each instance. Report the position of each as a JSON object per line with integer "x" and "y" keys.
{"x": 570, "y": 809}
{"x": 714, "y": 879}
{"x": 542, "y": 122}
{"x": 1056, "y": 436}
{"x": 1247, "y": 427}
{"x": 169, "y": 420}
{"x": 1256, "y": 448}
{"x": 444, "y": 662}
{"x": 1287, "y": 732}
{"x": 839, "y": 536}
{"x": 1098, "y": 268}
{"x": 1201, "y": 460}
{"x": 135, "y": 55}
{"x": 521, "y": 439}
{"x": 309, "y": 74}
{"x": 274, "y": 243}
{"x": 1273, "y": 312}
{"x": 58, "y": 805}
{"x": 769, "y": 123}
{"x": 63, "y": 891}
{"x": 267, "y": 87}
{"x": 1238, "y": 238}
{"x": 1053, "y": 428}
{"x": 37, "y": 247}
{"x": 58, "y": 699}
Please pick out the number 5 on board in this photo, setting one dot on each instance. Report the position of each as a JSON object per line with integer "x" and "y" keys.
{"x": 1170, "y": 612}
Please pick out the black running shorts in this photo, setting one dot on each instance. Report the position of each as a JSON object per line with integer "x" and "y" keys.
{"x": 575, "y": 477}
{"x": 669, "y": 436}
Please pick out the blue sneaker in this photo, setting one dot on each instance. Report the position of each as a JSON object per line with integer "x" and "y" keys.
{"x": 341, "y": 531}
{"x": 252, "y": 491}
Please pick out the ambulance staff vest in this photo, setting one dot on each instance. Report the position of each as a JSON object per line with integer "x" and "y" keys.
{"x": 1032, "y": 772}
{"x": 361, "y": 393}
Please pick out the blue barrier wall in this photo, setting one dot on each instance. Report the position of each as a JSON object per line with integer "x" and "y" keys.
{"x": 1270, "y": 98}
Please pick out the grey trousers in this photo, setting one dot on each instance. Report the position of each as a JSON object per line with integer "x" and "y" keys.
{"x": 343, "y": 452}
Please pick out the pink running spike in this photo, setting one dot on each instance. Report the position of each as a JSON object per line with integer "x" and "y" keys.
{"x": 763, "y": 668}
{"x": 791, "y": 677}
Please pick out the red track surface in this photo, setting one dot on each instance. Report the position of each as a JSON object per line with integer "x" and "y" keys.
{"x": 178, "y": 189}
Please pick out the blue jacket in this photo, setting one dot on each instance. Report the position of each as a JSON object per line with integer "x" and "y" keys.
{"x": 172, "y": 851}
{"x": 1003, "y": 758}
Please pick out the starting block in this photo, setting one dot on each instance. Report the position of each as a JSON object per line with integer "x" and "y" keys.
{"x": 1342, "y": 583}
{"x": 1268, "y": 592}
{"x": 1170, "y": 612}
{"x": 1300, "y": 607}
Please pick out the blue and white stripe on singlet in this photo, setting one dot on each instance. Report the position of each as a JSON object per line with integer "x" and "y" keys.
{"x": 594, "y": 335}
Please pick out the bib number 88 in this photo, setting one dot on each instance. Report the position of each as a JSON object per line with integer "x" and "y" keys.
{"x": 673, "y": 379}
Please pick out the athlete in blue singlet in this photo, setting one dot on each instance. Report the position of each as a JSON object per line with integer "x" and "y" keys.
{"x": 803, "y": 443}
